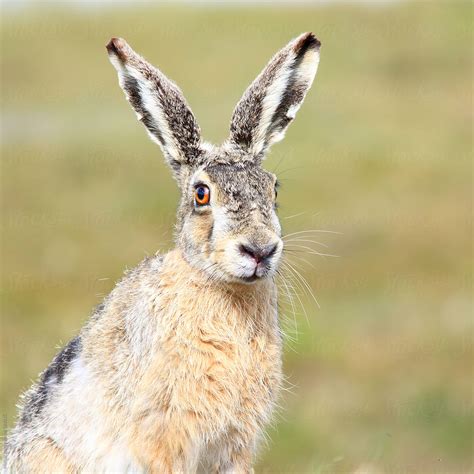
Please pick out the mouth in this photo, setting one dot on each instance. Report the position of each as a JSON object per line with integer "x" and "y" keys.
{"x": 250, "y": 264}
{"x": 259, "y": 273}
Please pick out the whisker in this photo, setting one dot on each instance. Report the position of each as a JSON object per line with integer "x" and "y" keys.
{"x": 310, "y": 250}
{"x": 289, "y": 169}
{"x": 301, "y": 259}
{"x": 296, "y": 293}
{"x": 305, "y": 283}
{"x": 275, "y": 170}
{"x": 323, "y": 231}
{"x": 295, "y": 215}
{"x": 305, "y": 240}
{"x": 290, "y": 298}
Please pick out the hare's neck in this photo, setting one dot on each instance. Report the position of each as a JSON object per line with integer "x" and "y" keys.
{"x": 257, "y": 301}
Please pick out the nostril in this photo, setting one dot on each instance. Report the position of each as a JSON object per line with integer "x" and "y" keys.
{"x": 270, "y": 249}
{"x": 246, "y": 250}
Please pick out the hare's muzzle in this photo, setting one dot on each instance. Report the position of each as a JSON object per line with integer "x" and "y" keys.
{"x": 258, "y": 260}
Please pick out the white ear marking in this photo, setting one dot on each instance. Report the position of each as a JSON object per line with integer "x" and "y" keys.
{"x": 158, "y": 104}
{"x": 291, "y": 114}
{"x": 270, "y": 103}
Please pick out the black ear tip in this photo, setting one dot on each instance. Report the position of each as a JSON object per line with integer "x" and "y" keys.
{"x": 307, "y": 41}
{"x": 117, "y": 46}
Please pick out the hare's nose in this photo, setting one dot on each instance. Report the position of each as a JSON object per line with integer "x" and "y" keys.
{"x": 259, "y": 253}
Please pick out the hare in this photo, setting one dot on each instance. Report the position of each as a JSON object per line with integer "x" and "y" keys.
{"x": 179, "y": 369}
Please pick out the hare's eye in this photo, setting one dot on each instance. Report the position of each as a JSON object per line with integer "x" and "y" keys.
{"x": 201, "y": 195}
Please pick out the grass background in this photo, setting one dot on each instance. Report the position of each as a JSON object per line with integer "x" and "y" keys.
{"x": 381, "y": 151}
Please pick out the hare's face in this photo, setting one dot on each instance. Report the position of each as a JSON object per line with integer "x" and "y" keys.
{"x": 233, "y": 233}
{"x": 227, "y": 224}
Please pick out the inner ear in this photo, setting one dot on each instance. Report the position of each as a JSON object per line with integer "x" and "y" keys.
{"x": 160, "y": 105}
{"x": 270, "y": 103}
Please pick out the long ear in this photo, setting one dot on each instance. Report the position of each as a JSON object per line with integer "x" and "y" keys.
{"x": 272, "y": 100}
{"x": 159, "y": 105}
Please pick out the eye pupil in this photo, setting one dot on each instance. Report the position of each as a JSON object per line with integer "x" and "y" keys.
{"x": 201, "y": 195}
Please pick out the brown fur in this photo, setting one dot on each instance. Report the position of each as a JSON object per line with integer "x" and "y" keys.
{"x": 232, "y": 345}
{"x": 45, "y": 457}
{"x": 180, "y": 368}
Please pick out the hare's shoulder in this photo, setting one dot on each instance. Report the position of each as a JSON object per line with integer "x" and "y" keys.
{"x": 132, "y": 293}
{"x": 147, "y": 273}
{"x": 128, "y": 314}
{"x": 37, "y": 397}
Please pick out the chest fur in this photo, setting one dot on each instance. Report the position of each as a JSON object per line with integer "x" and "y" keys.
{"x": 218, "y": 366}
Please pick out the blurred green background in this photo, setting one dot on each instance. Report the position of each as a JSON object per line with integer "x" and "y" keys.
{"x": 381, "y": 375}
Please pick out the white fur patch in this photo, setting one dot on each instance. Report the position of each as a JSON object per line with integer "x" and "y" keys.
{"x": 80, "y": 428}
{"x": 152, "y": 105}
{"x": 305, "y": 74}
{"x": 292, "y": 111}
{"x": 270, "y": 103}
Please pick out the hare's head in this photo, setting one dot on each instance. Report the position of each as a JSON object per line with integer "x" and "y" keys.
{"x": 227, "y": 225}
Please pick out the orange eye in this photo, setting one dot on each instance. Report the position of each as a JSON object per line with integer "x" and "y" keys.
{"x": 202, "y": 195}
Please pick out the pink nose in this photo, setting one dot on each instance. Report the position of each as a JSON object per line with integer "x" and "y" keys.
{"x": 259, "y": 253}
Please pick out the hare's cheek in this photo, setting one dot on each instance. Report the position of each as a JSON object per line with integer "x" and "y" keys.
{"x": 201, "y": 229}
{"x": 194, "y": 239}
{"x": 200, "y": 236}
{"x": 220, "y": 249}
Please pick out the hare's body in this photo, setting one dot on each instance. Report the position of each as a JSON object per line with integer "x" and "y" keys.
{"x": 180, "y": 367}
{"x": 158, "y": 380}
